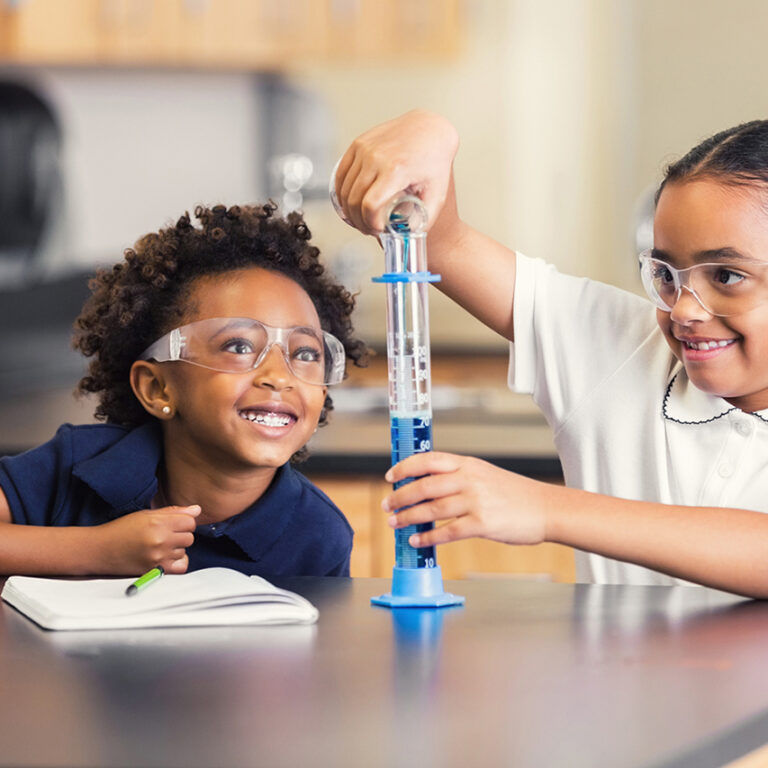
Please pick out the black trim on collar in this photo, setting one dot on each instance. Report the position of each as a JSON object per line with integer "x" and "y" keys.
{"x": 666, "y": 415}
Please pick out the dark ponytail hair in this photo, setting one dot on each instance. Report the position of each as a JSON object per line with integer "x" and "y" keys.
{"x": 737, "y": 157}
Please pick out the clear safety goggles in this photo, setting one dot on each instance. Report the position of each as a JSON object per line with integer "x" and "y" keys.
{"x": 722, "y": 288}
{"x": 240, "y": 344}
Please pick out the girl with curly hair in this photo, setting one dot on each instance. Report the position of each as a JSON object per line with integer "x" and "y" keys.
{"x": 212, "y": 349}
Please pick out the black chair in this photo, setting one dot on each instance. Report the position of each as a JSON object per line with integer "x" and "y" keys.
{"x": 30, "y": 178}
{"x": 36, "y": 309}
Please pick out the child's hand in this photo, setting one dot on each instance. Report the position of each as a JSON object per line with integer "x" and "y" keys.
{"x": 477, "y": 498}
{"x": 413, "y": 152}
{"x": 136, "y": 542}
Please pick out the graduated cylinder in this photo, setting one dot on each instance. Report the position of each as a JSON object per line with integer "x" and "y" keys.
{"x": 410, "y": 405}
{"x": 416, "y": 578}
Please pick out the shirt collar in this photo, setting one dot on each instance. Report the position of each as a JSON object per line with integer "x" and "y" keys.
{"x": 257, "y": 529}
{"x": 685, "y": 403}
{"x": 125, "y": 474}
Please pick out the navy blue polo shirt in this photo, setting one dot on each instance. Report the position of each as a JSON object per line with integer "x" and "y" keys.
{"x": 94, "y": 473}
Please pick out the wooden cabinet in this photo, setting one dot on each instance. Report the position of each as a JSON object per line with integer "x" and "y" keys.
{"x": 260, "y": 34}
{"x": 373, "y": 554}
{"x": 48, "y": 32}
{"x": 244, "y": 34}
{"x": 393, "y": 29}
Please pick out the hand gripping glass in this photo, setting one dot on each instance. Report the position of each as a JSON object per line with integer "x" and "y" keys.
{"x": 722, "y": 288}
{"x": 240, "y": 344}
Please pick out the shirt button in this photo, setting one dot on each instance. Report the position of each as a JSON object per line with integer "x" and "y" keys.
{"x": 725, "y": 470}
{"x": 743, "y": 428}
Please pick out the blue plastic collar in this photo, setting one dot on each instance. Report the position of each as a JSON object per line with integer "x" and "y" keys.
{"x": 407, "y": 277}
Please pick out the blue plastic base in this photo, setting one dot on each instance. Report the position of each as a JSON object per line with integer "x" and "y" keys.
{"x": 417, "y": 588}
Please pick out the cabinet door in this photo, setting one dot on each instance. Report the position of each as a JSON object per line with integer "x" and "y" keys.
{"x": 374, "y": 550}
{"x": 252, "y": 33}
{"x": 247, "y": 34}
{"x": 143, "y": 32}
{"x": 231, "y": 33}
{"x": 359, "y": 498}
{"x": 391, "y": 30}
{"x": 49, "y": 31}
{"x": 478, "y": 558}
{"x": 91, "y": 31}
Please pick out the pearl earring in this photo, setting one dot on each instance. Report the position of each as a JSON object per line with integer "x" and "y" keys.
{"x": 166, "y": 409}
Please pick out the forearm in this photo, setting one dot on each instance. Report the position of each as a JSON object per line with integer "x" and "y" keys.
{"x": 477, "y": 272}
{"x": 716, "y": 547}
{"x": 43, "y": 550}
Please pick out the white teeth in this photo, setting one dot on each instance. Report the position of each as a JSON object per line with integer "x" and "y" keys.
{"x": 267, "y": 419}
{"x": 708, "y": 344}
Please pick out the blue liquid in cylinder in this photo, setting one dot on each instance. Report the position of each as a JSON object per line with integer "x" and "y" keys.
{"x": 411, "y": 434}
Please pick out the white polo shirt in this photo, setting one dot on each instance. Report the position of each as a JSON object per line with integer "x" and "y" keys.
{"x": 626, "y": 420}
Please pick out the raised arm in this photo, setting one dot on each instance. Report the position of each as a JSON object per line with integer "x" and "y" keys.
{"x": 415, "y": 152}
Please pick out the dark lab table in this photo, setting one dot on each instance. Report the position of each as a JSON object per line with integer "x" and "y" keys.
{"x": 526, "y": 674}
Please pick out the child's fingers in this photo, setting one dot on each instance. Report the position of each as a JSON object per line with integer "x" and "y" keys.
{"x": 429, "y": 463}
{"x": 177, "y": 519}
{"x": 458, "y": 529}
{"x": 175, "y": 559}
{"x": 359, "y": 193}
{"x": 424, "y": 488}
{"x": 171, "y": 547}
{"x": 177, "y": 564}
{"x": 373, "y": 206}
{"x": 183, "y": 523}
{"x": 367, "y": 202}
{"x": 177, "y": 553}
{"x": 181, "y": 518}
{"x": 367, "y": 179}
{"x": 181, "y": 539}
{"x": 192, "y": 510}
{"x": 429, "y": 511}
{"x": 380, "y": 193}
{"x": 367, "y": 189}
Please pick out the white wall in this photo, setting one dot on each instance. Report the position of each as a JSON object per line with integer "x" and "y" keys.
{"x": 702, "y": 67}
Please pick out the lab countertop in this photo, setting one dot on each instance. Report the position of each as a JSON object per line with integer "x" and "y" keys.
{"x": 524, "y": 674}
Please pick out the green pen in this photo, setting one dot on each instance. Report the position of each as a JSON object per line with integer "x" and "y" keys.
{"x": 144, "y": 581}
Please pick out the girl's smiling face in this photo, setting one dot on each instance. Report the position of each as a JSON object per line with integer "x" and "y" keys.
{"x": 694, "y": 219}
{"x": 214, "y": 412}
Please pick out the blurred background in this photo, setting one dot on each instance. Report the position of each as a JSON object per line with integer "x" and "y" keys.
{"x": 116, "y": 116}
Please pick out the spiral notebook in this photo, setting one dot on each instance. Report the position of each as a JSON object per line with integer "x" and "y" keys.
{"x": 209, "y": 597}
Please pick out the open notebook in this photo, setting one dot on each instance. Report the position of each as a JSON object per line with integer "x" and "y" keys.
{"x": 209, "y": 597}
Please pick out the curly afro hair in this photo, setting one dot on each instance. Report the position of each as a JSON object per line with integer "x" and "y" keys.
{"x": 144, "y": 296}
